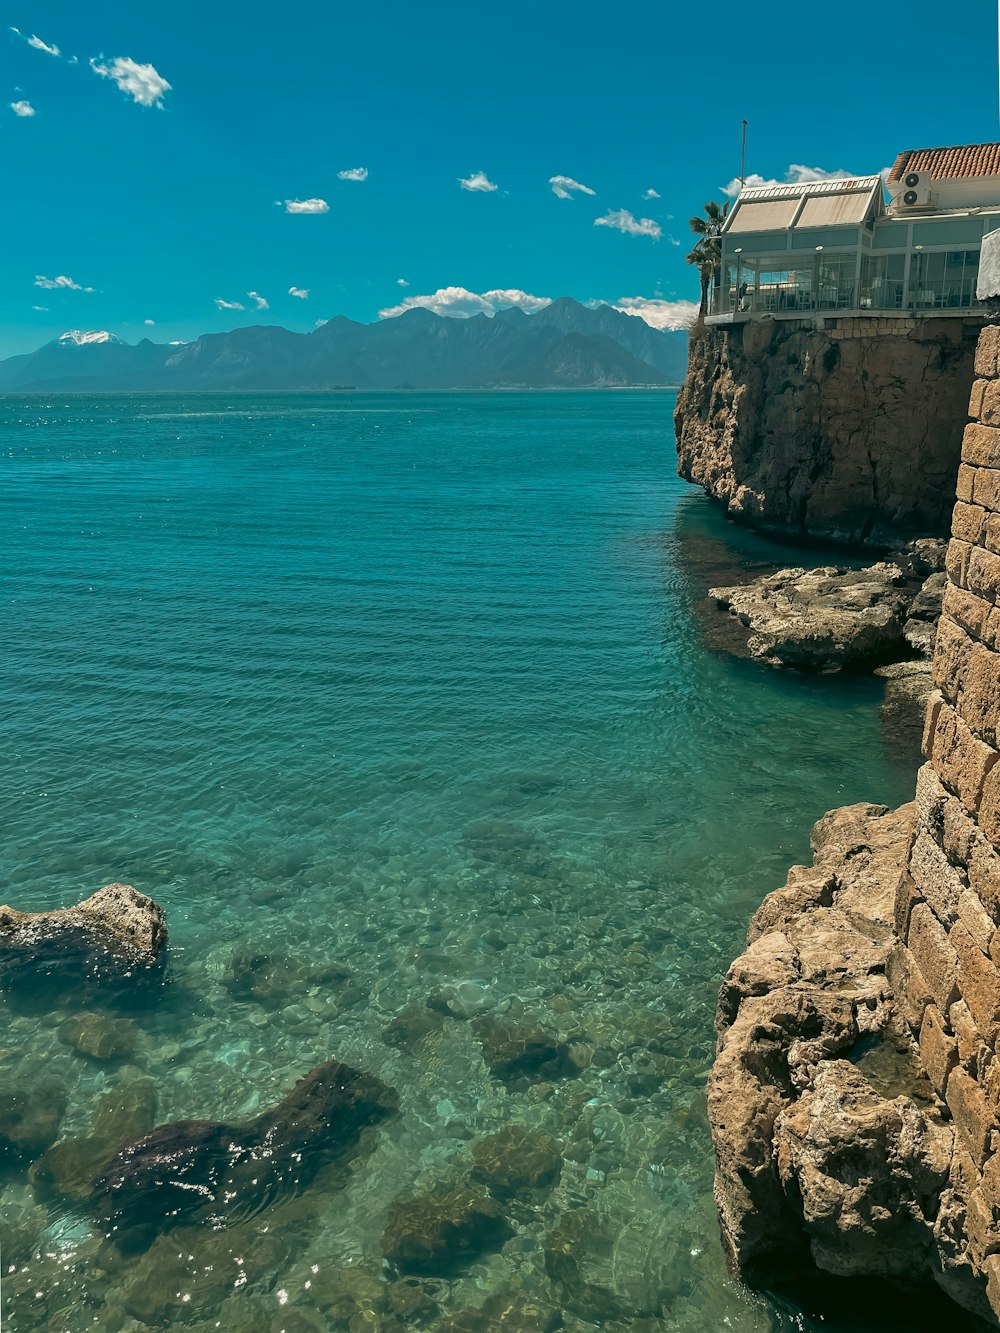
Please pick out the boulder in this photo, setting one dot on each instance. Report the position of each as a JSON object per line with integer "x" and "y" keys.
{"x": 29, "y": 1120}
{"x": 831, "y": 1151}
{"x": 186, "y": 1170}
{"x": 822, "y": 619}
{"x": 517, "y": 1160}
{"x": 66, "y": 1170}
{"x": 438, "y": 1234}
{"x": 518, "y": 1055}
{"x": 117, "y": 934}
{"x": 100, "y": 1037}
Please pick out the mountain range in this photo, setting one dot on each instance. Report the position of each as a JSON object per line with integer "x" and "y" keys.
{"x": 564, "y": 345}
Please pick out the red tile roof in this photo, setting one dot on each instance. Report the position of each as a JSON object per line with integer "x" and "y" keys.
{"x": 977, "y": 159}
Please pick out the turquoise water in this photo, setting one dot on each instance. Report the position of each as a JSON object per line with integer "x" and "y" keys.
{"x": 414, "y": 685}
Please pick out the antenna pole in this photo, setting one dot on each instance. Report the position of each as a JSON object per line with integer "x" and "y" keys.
{"x": 743, "y": 150}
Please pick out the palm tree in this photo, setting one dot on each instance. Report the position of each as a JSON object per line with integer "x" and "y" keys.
{"x": 707, "y": 252}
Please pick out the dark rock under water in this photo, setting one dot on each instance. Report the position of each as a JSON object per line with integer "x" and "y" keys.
{"x": 189, "y": 1170}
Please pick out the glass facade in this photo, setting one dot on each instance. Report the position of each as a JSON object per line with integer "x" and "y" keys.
{"x": 898, "y": 265}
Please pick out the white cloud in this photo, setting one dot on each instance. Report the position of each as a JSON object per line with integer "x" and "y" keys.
{"x": 37, "y": 43}
{"x": 220, "y": 304}
{"x": 261, "y": 302}
{"x": 401, "y": 282}
{"x": 353, "y": 174}
{"x": 306, "y": 206}
{"x": 460, "y": 303}
{"x": 622, "y": 220}
{"x": 477, "y": 181}
{"x": 301, "y": 292}
{"x": 150, "y": 322}
{"x": 39, "y": 307}
{"x": 564, "y": 186}
{"x": 51, "y": 284}
{"x": 797, "y": 174}
{"x": 22, "y": 108}
{"x": 651, "y": 194}
{"x": 657, "y": 312}
{"x": 142, "y": 83}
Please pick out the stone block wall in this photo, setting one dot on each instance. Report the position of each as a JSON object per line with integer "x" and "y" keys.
{"x": 948, "y": 904}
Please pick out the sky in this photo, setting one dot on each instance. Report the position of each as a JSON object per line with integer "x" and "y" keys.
{"x": 172, "y": 170}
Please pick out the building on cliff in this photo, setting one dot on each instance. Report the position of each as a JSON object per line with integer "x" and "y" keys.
{"x": 836, "y": 246}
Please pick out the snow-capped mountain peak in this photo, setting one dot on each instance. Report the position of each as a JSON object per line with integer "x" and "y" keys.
{"x": 86, "y": 337}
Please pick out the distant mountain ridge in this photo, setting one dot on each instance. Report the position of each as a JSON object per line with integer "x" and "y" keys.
{"x": 564, "y": 345}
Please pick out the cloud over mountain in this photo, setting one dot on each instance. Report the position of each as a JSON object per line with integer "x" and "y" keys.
{"x": 301, "y": 292}
{"x": 659, "y": 314}
{"x": 460, "y": 303}
{"x": 228, "y": 305}
{"x": 142, "y": 82}
{"x": 620, "y": 219}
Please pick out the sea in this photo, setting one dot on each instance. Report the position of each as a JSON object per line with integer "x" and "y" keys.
{"x": 412, "y": 713}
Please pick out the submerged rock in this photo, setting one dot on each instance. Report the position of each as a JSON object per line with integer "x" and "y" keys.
{"x": 67, "y": 1169}
{"x": 516, "y": 1159}
{"x": 822, "y": 619}
{"x": 117, "y": 934}
{"x": 518, "y": 1054}
{"x": 412, "y": 1025}
{"x": 190, "y": 1169}
{"x": 100, "y": 1037}
{"x": 510, "y": 1311}
{"x": 29, "y": 1120}
{"x": 442, "y": 1233}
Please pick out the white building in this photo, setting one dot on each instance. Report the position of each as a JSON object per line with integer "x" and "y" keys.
{"x": 837, "y": 245}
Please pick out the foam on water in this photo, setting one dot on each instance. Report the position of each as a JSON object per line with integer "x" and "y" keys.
{"x": 380, "y": 697}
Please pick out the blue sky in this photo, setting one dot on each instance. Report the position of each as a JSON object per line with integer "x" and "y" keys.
{"x": 166, "y": 201}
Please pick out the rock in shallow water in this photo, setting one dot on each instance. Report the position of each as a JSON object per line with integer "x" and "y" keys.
{"x": 99, "y": 1037}
{"x": 29, "y": 1120}
{"x": 516, "y": 1159}
{"x": 822, "y": 619}
{"x": 190, "y": 1169}
{"x": 519, "y": 1055}
{"x": 117, "y": 934}
{"x": 442, "y": 1233}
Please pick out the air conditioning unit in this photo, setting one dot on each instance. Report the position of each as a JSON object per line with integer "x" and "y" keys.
{"x": 913, "y": 190}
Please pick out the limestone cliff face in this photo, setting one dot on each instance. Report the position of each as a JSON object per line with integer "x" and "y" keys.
{"x": 850, "y": 432}
{"x": 855, "y": 1099}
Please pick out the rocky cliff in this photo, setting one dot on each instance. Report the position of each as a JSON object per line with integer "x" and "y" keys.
{"x": 855, "y": 1099}
{"x": 847, "y": 432}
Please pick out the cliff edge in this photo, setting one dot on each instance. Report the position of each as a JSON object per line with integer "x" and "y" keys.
{"x": 845, "y": 432}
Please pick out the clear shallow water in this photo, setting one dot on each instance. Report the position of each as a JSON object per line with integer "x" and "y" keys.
{"x": 415, "y": 685}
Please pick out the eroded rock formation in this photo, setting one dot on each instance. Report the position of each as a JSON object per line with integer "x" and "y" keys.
{"x": 117, "y": 933}
{"x": 822, "y": 619}
{"x": 846, "y": 432}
